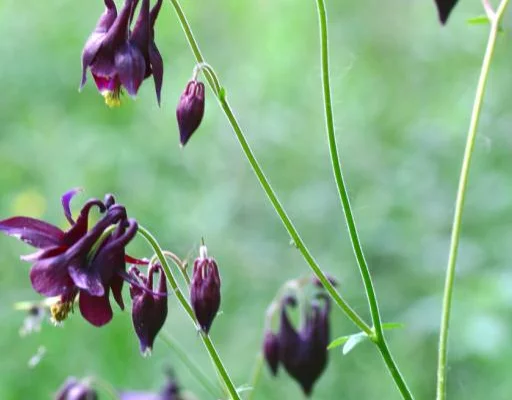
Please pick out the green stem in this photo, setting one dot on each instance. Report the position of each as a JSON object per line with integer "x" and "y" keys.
{"x": 188, "y": 309}
{"x": 256, "y": 375}
{"x": 459, "y": 203}
{"x": 191, "y": 365}
{"x": 292, "y": 231}
{"x": 378, "y": 336}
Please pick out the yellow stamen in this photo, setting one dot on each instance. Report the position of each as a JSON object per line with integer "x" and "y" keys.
{"x": 113, "y": 98}
{"x": 60, "y": 310}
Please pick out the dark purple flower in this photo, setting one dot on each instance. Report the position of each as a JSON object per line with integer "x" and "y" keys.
{"x": 119, "y": 58}
{"x": 444, "y": 8}
{"x": 271, "y": 351}
{"x": 83, "y": 262}
{"x": 149, "y": 309}
{"x": 304, "y": 354}
{"x": 205, "y": 289}
{"x": 190, "y": 110}
{"x": 73, "y": 389}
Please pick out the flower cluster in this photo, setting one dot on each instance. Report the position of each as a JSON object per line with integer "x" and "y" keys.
{"x": 302, "y": 353}
{"x": 120, "y": 57}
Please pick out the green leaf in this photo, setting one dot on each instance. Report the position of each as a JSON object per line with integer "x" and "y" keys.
{"x": 479, "y": 20}
{"x": 338, "y": 342}
{"x": 353, "y": 341}
{"x": 392, "y": 325}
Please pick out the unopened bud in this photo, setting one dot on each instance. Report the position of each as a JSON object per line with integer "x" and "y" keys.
{"x": 190, "y": 110}
{"x": 271, "y": 351}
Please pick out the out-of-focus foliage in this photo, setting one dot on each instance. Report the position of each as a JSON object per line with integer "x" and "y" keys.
{"x": 402, "y": 90}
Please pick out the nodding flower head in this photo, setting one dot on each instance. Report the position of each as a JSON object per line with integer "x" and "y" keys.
{"x": 444, "y": 8}
{"x": 73, "y": 389}
{"x": 271, "y": 351}
{"x": 78, "y": 262}
{"x": 118, "y": 58}
{"x": 303, "y": 353}
{"x": 149, "y": 309}
{"x": 205, "y": 289}
{"x": 190, "y": 110}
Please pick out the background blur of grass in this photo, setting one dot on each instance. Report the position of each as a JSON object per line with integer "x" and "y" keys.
{"x": 403, "y": 90}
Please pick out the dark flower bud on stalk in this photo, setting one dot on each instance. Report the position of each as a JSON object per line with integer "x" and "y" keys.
{"x": 271, "y": 351}
{"x": 190, "y": 110}
{"x": 205, "y": 289}
{"x": 74, "y": 389}
{"x": 149, "y": 309}
{"x": 444, "y": 8}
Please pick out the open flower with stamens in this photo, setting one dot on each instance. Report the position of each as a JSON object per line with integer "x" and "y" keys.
{"x": 79, "y": 261}
{"x": 120, "y": 59}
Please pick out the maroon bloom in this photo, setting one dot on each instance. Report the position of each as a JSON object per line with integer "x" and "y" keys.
{"x": 149, "y": 309}
{"x": 190, "y": 110}
{"x": 119, "y": 58}
{"x": 83, "y": 262}
{"x": 304, "y": 354}
{"x": 205, "y": 289}
{"x": 444, "y": 8}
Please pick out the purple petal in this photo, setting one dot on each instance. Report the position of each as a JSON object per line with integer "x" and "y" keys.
{"x": 50, "y": 277}
{"x": 79, "y": 229}
{"x": 154, "y": 12}
{"x": 157, "y": 68}
{"x": 96, "y": 310}
{"x": 138, "y": 396}
{"x": 118, "y": 32}
{"x": 117, "y": 290}
{"x": 131, "y": 68}
{"x": 86, "y": 279}
{"x": 35, "y": 232}
{"x": 66, "y": 200}
{"x": 142, "y": 29}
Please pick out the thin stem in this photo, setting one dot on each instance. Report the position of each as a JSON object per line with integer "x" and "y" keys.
{"x": 292, "y": 231}
{"x": 191, "y": 365}
{"x": 188, "y": 309}
{"x": 459, "y": 203}
{"x": 378, "y": 336}
{"x": 256, "y": 375}
{"x": 179, "y": 263}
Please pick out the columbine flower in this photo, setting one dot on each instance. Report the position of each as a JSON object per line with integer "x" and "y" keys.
{"x": 83, "y": 262}
{"x": 304, "y": 354}
{"x": 444, "y": 8}
{"x": 205, "y": 289}
{"x": 190, "y": 110}
{"x": 271, "y": 351}
{"x": 149, "y": 309}
{"x": 73, "y": 389}
{"x": 119, "y": 58}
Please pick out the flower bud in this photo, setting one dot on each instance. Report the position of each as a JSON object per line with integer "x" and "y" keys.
{"x": 190, "y": 110}
{"x": 271, "y": 351}
{"x": 149, "y": 309}
{"x": 205, "y": 289}
{"x": 74, "y": 389}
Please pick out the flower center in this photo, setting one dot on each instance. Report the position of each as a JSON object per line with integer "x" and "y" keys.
{"x": 60, "y": 310}
{"x": 113, "y": 97}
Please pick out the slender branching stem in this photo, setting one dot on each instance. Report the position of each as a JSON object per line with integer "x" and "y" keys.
{"x": 190, "y": 312}
{"x": 285, "y": 219}
{"x": 495, "y": 19}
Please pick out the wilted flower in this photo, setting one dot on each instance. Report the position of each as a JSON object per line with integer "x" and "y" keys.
{"x": 73, "y": 389}
{"x": 149, "y": 309}
{"x": 271, "y": 351}
{"x": 83, "y": 262}
{"x": 190, "y": 110}
{"x": 304, "y": 353}
{"x": 119, "y": 58}
{"x": 444, "y": 8}
{"x": 205, "y": 289}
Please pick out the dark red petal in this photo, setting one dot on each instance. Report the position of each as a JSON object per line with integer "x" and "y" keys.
{"x": 117, "y": 290}
{"x": 66, "y": 200}
{"x": 86, "y": 279}
{"x": 157, "y": 68}
{"x": 96, "y": 310}
{"x": 49, "y": 277}
{"x": 35, "y": 232}
{"x": 135, "y": 261}
{"x": 79, "y": 229}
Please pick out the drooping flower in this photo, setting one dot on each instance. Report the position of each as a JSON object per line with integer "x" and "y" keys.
{"x": 205, "y": 289}
{"x": 444, "y": 8}
{"x": 83, "y": 262}
{"x": 303, "y": 353}
{"x": 271, "y": 351}
{"x": 73, "y": 389}
{"x": 149, "y": 309}
{"x": 119, "y": 58}
{"x": 190, "y": 110}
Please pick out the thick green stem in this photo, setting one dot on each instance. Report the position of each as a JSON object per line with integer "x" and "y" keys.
{"x": 352, "y": 315}
{"x": 188, "y": 309}
{"x": 378, "y": 336}
{"x": 461, "y": 195}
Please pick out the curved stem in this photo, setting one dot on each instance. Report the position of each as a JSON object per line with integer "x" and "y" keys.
{"x": 292, "y": 231}
{"x": 459, "y": 203}
{"x": 188, "y": 309}
{"x": 378, "y": 337}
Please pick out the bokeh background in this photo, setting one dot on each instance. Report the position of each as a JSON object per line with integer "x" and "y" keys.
{"x": 402, "y": 90}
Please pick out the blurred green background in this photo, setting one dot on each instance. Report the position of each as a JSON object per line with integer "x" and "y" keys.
{"x": 402, "y": 90}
